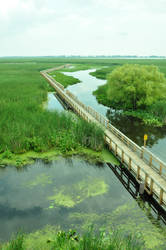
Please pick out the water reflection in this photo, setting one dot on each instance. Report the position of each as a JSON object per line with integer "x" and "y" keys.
{"x": 134, "y": 129}
{"x": 52, "y": 103}
{"x": 68, "y": 191}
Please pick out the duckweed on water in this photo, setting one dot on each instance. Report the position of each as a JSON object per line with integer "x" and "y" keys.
{"x": 153, "y": 236}
{"x": 69, "y": 197}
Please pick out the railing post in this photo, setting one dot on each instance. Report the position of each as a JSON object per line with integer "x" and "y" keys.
{"x": 151, "y": 186}
{"x": 107, "y": 123}
{"x": 146, "y": 179}
{"x": 150, "y": 161}
{"x": 161, "y": 196}
{"x": 122, "y": 156}
{"x": 161, "y": 167}
{"x": 142, "y": 153}
{"x": 129, "y": 163}
{"x": 138, "y": 172}
{"x": 110, "y": 145}
{"x": 116, "y": 147}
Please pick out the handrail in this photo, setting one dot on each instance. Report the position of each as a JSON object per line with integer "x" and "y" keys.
{"x": 153, "y": 158}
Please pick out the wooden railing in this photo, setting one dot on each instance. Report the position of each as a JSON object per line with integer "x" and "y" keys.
{"x": 153, "y": 161}
{"x": 151, "y": 185}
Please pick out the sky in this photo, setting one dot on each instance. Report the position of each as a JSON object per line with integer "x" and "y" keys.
{"x": 79, "y": 27}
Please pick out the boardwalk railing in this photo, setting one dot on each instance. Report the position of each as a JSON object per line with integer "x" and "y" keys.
{"x": 151, "y": 184}
{"x": 154, "y": 162}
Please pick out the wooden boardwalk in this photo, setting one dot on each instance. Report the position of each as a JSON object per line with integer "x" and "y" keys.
{"x": 148, "y": 169}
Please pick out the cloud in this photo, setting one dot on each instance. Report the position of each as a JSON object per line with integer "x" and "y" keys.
{"x": 43, "y": 27}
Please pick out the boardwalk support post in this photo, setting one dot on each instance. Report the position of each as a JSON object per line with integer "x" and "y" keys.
{"x": 141, "y": 187}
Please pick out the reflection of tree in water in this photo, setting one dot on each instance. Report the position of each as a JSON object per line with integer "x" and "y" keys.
{"x": 135, "y": 129}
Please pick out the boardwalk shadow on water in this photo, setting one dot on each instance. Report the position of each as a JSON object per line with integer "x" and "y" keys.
{"x": 147, "y": 203}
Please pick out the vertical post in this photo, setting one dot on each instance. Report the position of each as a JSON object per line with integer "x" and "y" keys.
{"x": 122, "y": 156}
{"x": 151, "y": 186}
{"x": 129, "y": 163}
{"x": 150, "y": 161}
{"x": 146, "y": 179}
{"x": 161, "y": 167}
{"x": 161, "y": 196}
{"x": 138, "y": 172}
{"x": 107, "y": 123}
{"x": 110, "y": 145}
{"x": 142, "y": 153}
{"x": 116, "y": 149}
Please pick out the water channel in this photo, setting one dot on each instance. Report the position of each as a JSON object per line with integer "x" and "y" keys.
{"x": 73, "y": 193}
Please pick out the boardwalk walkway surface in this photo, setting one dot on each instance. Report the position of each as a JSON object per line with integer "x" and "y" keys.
{"x": 148, "y": 169}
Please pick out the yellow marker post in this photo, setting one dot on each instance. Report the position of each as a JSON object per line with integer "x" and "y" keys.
{"x": 145, "y": 139}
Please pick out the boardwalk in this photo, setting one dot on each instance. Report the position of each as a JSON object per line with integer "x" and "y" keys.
{"x": 148, "y": 169}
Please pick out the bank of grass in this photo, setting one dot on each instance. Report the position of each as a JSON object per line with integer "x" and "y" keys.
{"x": 104, "y": 71}
{"x": 64, "y": 79}
{"x": 71, "y": 240}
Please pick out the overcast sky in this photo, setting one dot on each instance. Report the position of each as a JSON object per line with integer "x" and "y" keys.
{"x": 79, "y": 27}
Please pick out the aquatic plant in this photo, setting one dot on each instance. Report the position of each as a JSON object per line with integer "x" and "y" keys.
{"x": 77, "y": 193}
{"x": 71, "y": 240}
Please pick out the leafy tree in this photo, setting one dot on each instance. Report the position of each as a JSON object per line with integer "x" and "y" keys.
{"x": 134, "y": 86}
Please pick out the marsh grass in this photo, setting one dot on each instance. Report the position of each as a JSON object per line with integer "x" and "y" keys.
{"x": 70, "y": 240}
{"x": 25, "y": 126}
{"x": 64, "y": 79}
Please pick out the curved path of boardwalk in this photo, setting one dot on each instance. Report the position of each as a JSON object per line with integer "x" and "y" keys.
{"x": 148, "y": 169}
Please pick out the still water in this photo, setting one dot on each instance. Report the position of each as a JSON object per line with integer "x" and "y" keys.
{"x": 131, "y": 127}
{"x": 72, "y": 193}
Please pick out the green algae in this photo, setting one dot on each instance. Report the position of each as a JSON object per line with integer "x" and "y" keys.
{"x": 40, "y": 238}
{"x": 84, "y": 220}
{"x": 20, "y": 160}
{"x": 41, "y": 180}
{"x": 129, "y": 219}
{"x": 78, "y": 192}
{"x": 109, "y": 157}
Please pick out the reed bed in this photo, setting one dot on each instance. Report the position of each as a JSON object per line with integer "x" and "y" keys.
{"x": 25, "y": 126}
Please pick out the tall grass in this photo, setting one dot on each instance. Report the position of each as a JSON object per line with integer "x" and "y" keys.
{"x": 72, "y": 241}
{"x": 25, "y": 126}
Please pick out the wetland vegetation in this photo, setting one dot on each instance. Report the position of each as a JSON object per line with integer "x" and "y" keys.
{"x": 27, "y": 131}
{"x": 50, "y": 238}
{"x": 25, "y": 126}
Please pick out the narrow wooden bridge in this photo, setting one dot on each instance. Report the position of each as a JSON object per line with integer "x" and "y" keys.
{"x": 148, "y": 169}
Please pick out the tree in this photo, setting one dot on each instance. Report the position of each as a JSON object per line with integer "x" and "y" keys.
{"x": 134, "y": 86}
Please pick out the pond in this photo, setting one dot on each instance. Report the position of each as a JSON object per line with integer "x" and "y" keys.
{"x": 72, "y": 193}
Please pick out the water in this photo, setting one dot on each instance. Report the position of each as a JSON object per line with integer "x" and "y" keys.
{"x": 52, "y": 103}
{"x": 131, "y": 127}
{"x": 71, "y": 193}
